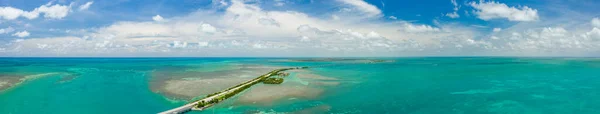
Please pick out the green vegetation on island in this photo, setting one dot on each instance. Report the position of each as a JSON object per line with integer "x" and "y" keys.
{"x": 273, "y": 81}
{"x": 283, "y": 74}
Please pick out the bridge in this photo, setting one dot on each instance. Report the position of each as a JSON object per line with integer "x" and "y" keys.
{"x": 215, "y": 98}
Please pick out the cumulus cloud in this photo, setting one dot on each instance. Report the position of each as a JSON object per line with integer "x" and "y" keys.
{"x": 49, "y": 11}
{"x": 548, "y": 41}
{"x": 364, "y": 7}
{"x": 21, "y": 34}
{"x": 86, "y": 6}
{"x": 456, "y": 7}
{"x": 242, "y": 26}
{"x": 453, "y": 15}
{"x": 497, "y": 10}
{"x": 594, "y": 34}
{"x": 54, "y": 11}
{"x": 247, "y": 29}
{"x": 346, "y": 40}
{"x": 208, "y": 28}
{"x": 239, "y": 27}
{"x": 10, "y": 13}
{"x": 158, "y": 18}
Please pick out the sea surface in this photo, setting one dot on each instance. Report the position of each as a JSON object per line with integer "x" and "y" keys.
{"x": 429, "y": 85}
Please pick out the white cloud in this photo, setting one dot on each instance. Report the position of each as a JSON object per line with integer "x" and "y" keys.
{"x": 594, "y": 34}
{"x": 86, "y": 6}
{"x": 54, "y": 11}
{"x": 455, "y": 4}
{"x": 304, "y": 39}
{"x": 456, "y": 7}
{"x": 497, "y": 29}
{"x": 6, "y": 30}
{"x": 249, "y": 30}
{"x": 219, "y": 3}
{"x": 393, "y": 17}
{"x": 21, "y": 34}
{"x": 548, "y": 41}
{"x": 10, "y": 13}
{"x": 50, "y": 11}
{"x": 595, "y": 22}
{"x": 419, "y": 28}
{"x": 496, "y": 10}
{"x": 494, "y": 38}
{"x": 208, "y": 28}
{"x": 158, "y": 18}
{"x": 242, "y": 26}
{"x": 453, "y": 15}
{"x": 551, "y": 32}
{"x": 373, "y": 34}
{"x": 366, "y": 8}
{"x": 345, "y": 40}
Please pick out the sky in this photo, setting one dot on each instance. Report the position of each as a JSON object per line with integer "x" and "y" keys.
{"x": 299, "y": 28}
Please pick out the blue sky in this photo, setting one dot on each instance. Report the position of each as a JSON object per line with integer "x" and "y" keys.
{"x": 299, "y": 28}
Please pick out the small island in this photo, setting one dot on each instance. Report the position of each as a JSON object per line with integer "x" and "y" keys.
{"x": 273, "y": 81}
{"x": 283, "y": 74}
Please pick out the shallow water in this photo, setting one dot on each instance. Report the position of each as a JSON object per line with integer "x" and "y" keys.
{"x": 407, "y": 85}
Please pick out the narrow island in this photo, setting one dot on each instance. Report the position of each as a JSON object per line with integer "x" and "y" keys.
{"x": 273, "y": 81}
{"x": 213, "y": 99}
{"x": 276, "y": 80}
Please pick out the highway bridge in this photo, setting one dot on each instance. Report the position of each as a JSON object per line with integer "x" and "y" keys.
{"x": 212, "y": 100}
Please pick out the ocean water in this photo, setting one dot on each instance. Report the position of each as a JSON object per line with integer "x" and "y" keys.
{"x": 457, "y": 85}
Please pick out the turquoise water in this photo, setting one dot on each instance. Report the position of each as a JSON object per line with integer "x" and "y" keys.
{"x": 407, "y": 85}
